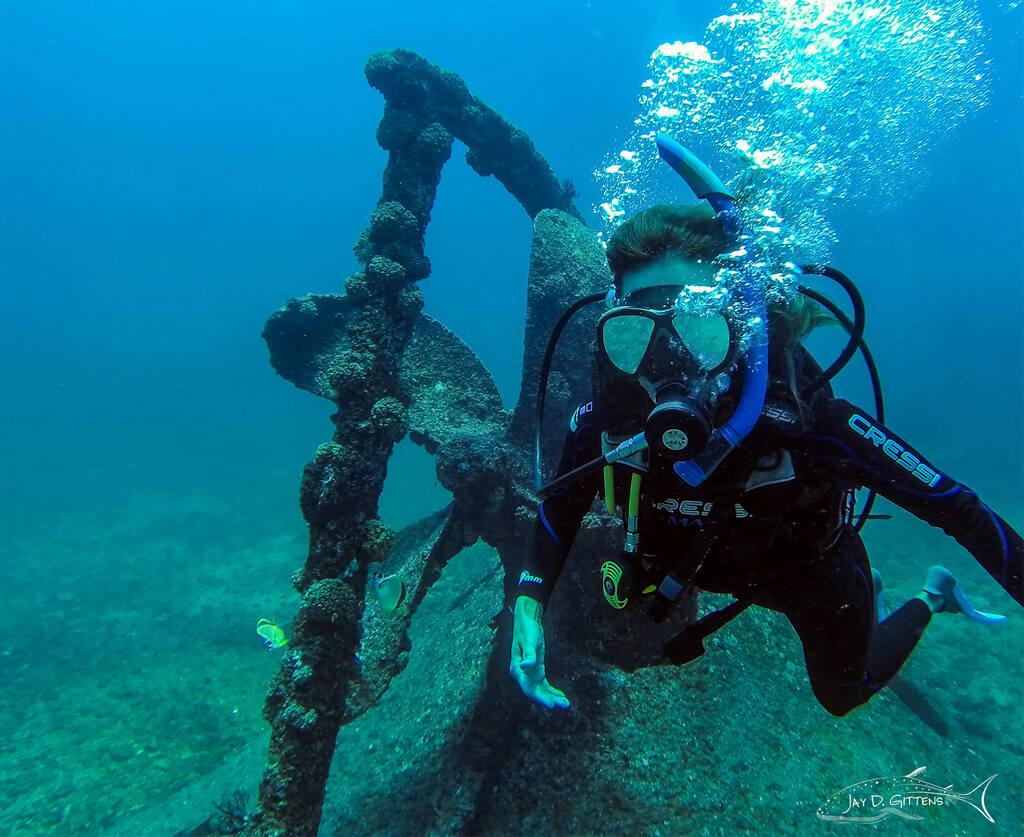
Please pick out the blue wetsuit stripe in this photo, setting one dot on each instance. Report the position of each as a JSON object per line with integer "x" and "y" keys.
{"x": 544, "y": 520}
{"x": 1002, "y": 537}
{"x": 956, "y": 489}
{"x": 867, "y": 583}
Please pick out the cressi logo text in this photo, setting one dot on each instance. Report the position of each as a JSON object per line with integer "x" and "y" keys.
{"x": 894, "y": 450}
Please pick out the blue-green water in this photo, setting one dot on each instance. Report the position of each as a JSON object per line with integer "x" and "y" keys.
{"x": 173, "y": 173}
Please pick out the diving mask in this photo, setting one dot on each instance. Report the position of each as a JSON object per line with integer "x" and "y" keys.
{"x": 670, "y": 333}
{"x": 667, "y": 342}
{"x": 677, "y": 344}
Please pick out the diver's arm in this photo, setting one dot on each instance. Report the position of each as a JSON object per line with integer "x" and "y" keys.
{"x": 559, "y": 517}
{"x": 526, "y": 663}
{"x": 880, "y": 460}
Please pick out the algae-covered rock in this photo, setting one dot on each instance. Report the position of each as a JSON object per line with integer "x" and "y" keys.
{"x": 391, "y": 221}
{"x": 384, "y": 274}
{"x": 409, "y": 302}
{"x": 298, "y": 717}
{"x": 397, "y": 128}
{"x": 450, "y": 390}
{"x": 389, "y": 368}
{"x": 378, "y": 539}
{"x": 433, "y": 144}
{"x": 358, "y": 289}
{"x": 567, "y": 262}
{"x": 453, "y": 393}
{"x": 330, "y": 600}
{"x": 495, "y": 146}
{"x": 389, "y": 418}
{"x": 303, "y": 336}
{"x": 326, "y": 483}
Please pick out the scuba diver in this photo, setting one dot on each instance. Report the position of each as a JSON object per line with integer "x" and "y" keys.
{"x": 734, "y": 465}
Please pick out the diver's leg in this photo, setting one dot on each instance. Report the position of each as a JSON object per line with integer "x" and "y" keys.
{"x": 832, "y": 608}
{"x": 894, "y": 639}
{"x": 830, "y": 605}
{"x": 897, "y": 635}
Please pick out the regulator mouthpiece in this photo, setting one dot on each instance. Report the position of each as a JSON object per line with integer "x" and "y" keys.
{"x": 677, "y": 426}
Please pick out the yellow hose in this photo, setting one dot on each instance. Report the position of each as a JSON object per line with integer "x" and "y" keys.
{"x": 634, "y": 494}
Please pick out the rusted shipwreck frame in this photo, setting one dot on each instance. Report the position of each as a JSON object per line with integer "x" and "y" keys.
{"x": 392, "y": 371}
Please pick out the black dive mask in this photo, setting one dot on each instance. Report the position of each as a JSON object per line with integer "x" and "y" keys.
{"x": 665, "y": 368}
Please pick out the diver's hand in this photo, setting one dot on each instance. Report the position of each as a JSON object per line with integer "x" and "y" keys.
{"x": 528, "y": 656}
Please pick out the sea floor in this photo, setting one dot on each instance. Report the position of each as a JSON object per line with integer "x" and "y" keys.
{"x": 131, "y": 665}
{"x": 735, "y": 744}
{"x": 132, "y": 676}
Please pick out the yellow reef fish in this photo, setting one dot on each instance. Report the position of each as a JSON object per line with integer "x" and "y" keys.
{"x": 272, "y": 634}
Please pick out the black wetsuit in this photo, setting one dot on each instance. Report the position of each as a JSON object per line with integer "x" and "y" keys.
{"x": 779, "y": 508}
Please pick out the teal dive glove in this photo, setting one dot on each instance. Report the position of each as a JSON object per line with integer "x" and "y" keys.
{"x": 527, "y": 667}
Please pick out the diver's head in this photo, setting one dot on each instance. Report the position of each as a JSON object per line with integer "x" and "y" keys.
{"x": 668, "y": 343}
{"x": 688, "y": 233}
{"x": 669, "y": 322}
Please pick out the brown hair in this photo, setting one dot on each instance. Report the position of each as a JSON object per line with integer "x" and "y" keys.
{"x": 691, "y": 231}
{"x": 695, "y": 232}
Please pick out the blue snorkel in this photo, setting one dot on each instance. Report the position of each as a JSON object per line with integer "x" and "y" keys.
{"x": 706, "y": 186}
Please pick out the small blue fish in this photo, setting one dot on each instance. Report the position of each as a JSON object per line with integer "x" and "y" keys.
{"x": 874, "y": 800}
{"x": 272, "y": 634}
